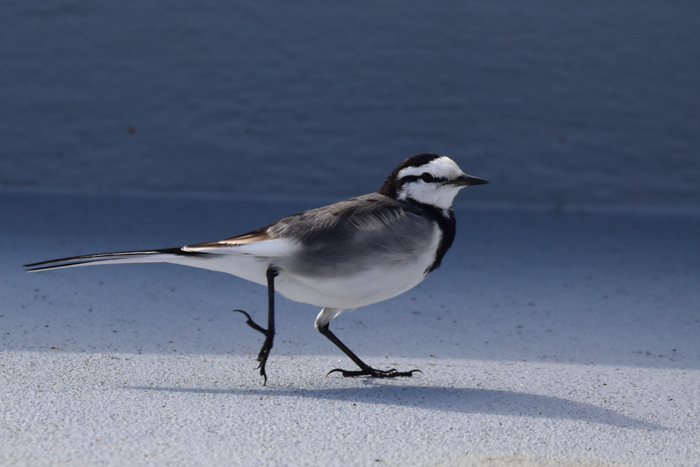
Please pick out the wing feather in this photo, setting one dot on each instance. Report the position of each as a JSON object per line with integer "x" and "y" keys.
{"x": 258, "y": 244}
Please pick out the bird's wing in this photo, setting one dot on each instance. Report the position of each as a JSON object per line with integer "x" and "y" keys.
{"x": 358, "y": 228}
{"x": 370, "y": 221}
{"x": 349, "y": 220}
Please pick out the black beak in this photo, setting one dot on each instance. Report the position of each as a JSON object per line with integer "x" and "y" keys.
{"x": 466, "y": 180}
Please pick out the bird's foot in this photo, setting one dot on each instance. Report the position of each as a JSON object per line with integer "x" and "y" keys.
{"x": 266, "y": 347}
{"x": 374, "y": 373}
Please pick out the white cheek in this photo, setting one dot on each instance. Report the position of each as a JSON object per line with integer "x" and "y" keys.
{"x": 440, "y": 196}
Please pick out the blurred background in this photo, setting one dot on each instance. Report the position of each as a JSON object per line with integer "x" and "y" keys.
{"x": 560, "y": 104}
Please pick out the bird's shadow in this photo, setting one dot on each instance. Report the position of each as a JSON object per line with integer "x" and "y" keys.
{"x": 445, "y": 399}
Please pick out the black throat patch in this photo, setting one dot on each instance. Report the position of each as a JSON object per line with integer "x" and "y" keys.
{"x": 448, "y": 229}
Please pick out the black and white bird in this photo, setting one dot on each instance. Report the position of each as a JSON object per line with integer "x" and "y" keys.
{"x": 339, "y": 257}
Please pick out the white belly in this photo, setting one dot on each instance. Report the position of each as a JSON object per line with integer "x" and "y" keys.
{"x": 350, "y": 292}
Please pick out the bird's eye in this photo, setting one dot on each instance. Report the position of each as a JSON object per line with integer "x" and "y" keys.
{"x": 427, "y": 178}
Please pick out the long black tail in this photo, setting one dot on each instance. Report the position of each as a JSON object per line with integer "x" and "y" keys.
{"x": 146, "y": 256}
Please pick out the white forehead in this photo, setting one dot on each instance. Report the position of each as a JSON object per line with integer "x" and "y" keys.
{"x": 442, "y": 167}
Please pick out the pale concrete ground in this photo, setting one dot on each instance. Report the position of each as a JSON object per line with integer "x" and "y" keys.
{"x": 544, "y": 339}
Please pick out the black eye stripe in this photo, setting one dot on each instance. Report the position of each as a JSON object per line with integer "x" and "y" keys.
{"x": 407, "y": 179}
{"x": 415, "y": 178}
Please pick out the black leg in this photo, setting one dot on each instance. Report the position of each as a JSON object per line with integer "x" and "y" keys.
{"x": 270, "y": 331}
{"x": 365, "y": 370}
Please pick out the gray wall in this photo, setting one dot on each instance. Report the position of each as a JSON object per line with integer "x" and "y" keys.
{"x": 566, "y": 102}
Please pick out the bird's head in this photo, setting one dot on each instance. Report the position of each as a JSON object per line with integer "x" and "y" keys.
{"x": 428, "y": 179}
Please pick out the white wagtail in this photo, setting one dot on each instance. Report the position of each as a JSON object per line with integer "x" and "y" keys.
{"x": 339, "y": 257}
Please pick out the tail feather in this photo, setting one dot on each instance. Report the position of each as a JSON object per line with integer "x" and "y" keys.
{"x": 145, "y": 256}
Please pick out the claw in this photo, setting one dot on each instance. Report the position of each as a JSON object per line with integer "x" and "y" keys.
{"x": 252, "y": 323}
{"x": 262, "y": 357}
